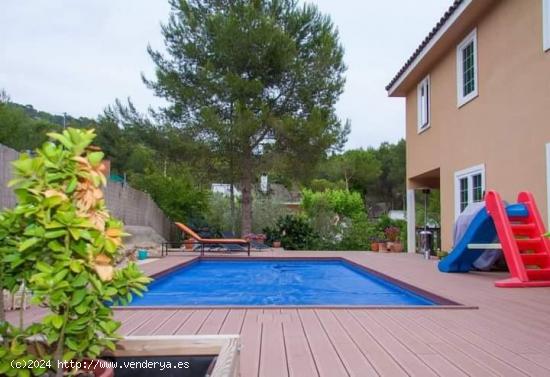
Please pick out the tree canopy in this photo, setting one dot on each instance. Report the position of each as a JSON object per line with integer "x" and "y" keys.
{"x": 252, "y": 82}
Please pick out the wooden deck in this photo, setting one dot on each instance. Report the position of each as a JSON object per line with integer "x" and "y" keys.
{"x": 507, "y": 336}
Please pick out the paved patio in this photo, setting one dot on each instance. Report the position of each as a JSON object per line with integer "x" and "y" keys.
{"x": 507, "y": 336}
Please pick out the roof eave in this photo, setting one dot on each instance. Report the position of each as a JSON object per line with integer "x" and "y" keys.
{"x": 397, "y": 87}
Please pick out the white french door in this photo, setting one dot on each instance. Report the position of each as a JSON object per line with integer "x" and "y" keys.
{"x": 469, "y": 187}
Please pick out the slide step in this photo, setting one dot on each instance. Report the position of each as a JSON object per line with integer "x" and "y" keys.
{"x": 523, "y": 228}
{"x": 528, "y": 243}
{"x": 535, "y": 259}
{"x": 540, "y": 274}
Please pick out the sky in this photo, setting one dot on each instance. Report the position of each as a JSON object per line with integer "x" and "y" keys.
{"x": 79, "y": 56}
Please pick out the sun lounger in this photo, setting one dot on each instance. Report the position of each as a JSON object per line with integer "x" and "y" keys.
{"x": 212, "y": 241}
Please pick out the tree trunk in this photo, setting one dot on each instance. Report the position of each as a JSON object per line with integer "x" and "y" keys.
{"x": 232, "y": 205}
{"x": 246, "y": 214}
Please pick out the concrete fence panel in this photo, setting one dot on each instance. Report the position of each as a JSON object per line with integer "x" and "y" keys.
{"x": 131, "y": 206}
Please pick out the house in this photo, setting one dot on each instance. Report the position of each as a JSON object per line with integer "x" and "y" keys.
{"x": 477, "y": 93}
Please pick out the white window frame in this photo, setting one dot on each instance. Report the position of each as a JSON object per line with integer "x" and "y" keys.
{"x": 424, "y": 83}
{"x": 461, "y": 98}
{"x": 546, "y": 25}
{"x": 468, "y": 173}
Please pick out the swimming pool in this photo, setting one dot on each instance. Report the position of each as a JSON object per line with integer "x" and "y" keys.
{"x": 276, "y": 283}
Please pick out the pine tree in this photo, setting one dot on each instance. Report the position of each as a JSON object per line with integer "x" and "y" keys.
{"x": 253, "y": 81}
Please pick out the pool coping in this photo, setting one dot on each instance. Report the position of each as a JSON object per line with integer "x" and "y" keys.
{"x": 440, "y": 301}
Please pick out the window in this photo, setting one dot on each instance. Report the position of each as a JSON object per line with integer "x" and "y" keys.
{"x": 466, "y": 63}
{"x": 423, "y": 94}
{"x": 546, "y": 25}
{"x": 469, "y": 187}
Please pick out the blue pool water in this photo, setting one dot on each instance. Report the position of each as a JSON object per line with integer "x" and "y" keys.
{"x": 274, "y": 282}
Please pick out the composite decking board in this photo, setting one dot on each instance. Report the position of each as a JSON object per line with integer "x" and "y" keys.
{"x": 519, "y": 361}
{"x": 155, "y": 320}
{"x": 539, "y": 359}
{"x": 474, "y": 353}
{"x": 299, "y": 358}
{"x": 214, "y": 322}
{"x": 498, "y": 362}
{"x": 170, "y": 325}
{"x": 326, "y": 358}
{"x": 193, "y": 324}
{"x": 410, "y": 341}
{"x": 251, "y": 338}
{"x": 509, "y": 330}
{"x": 273, "y": 361}
{"x": 522, "y": 328}
{"x": 383, "y": 362}
{"x": 233, "y": 323}
{"x": 453, "y": 360}
{"x": 408, "y": 360}
{"x": 442, "y": 366}
{"x": 353, "y": 359}
{"x": 515, "y": 341}
{"x": 131, "y": 323}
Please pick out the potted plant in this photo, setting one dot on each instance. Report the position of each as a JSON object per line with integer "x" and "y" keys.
{"x": 60, "y": 244}
{"x": 397, "y": 246}
{"x": 374, "y": 245}
{"x": 189, "y": 243}
{"x": 382, "y": 243}
{"x": 272, "y": 237}
{"x": 391, "y": 233}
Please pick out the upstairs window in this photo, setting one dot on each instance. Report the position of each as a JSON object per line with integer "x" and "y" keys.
{"x": 423, "y": 94}
{"x": 546, "y": 25}
{"x": 466, "y": 79}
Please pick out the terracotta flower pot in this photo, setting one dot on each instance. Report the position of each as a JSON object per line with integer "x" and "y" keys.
{"x": 276, "y": 244}
{"x": 189, "y": 243}
{"x": 382, "y": 247}
{"x": 374, "y": 246}
{"x": 397, "y": 247}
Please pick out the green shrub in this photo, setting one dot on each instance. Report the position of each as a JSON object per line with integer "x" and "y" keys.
{"x": 218, "y": 215}
{"x": 60, "y": 244}
{"x": 359, "y": 234}
{"x": 341, "y": 202}
{"x": 294, "y": 232}
{"x": 176, "y": 193}
{"x": 265, "y": 212}
{"x": 321, "y": 185}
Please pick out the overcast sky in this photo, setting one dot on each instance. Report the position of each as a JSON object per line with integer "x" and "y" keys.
{"x": 78, "y": 56}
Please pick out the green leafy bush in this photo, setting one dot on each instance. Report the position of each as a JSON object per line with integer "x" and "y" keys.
{"x": 294, "y": 232}
{"x": 341, "y": 202}
{"x": 59, "y": 245}
{"x": 320, "y": 185}
{"x": 359, "y": 234}
{"x": 175, "y": 193}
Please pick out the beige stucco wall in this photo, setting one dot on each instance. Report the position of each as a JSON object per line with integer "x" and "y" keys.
{"x": 506, "y": 127}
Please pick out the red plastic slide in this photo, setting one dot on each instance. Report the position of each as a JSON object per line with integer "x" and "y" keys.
{"x": 526, "y": 250}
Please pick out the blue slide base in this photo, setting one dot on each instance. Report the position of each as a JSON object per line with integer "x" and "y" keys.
{"x": 481, "y": 230}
